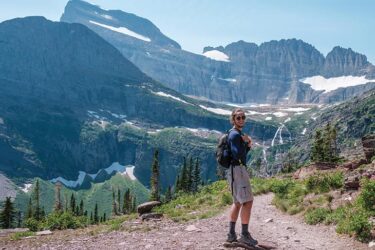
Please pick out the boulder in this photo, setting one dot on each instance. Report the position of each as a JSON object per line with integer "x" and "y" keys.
{"x": 352, "y": 181}
{"x": 368, "y": 144}
{"x": 151, "y": 216}
{"x": 147, "y": 207}
{"x": 354, "y": 164}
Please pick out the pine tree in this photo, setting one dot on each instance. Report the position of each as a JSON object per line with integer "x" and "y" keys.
{"x": 29, "y": 213}
{"x": 190, "y": 169}
{"x": 155, "y": 178}
{"x": 19, "y": 219}
{"x": 119, "y": 200}
{"x": 72, "y": 204}
{"x": 58, "y": 204}
{"x": 134, "y": 205}
{"x": 177, "y": 184}
{"x": 96, "y": 218}
{"x": 91, "y": 218}
{"x": 104, "y": 217}
{"x": 81, "y": 208}
{"x": 317, "y": 148}
{"x": 37, "y": 212}
{"x": 8, "y": 214}
{"x": 168, "y": 194}
{"x": 114, "y": 205}
{"x": 196, "y": 176}
{"x": 183, "y": 177}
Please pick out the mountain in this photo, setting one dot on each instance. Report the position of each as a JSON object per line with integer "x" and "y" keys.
{"x": 241, "y": 72}
{"x": 100, "y": 193}
{"x": 69, "y": 102}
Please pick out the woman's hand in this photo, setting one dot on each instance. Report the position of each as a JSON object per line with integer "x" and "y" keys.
{"x": 247, "y": 139}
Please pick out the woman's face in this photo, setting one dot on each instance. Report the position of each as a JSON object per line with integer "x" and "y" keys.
{"x": 239, "y": 119}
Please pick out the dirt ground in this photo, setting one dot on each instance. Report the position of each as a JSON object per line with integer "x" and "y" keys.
{"x": 267, "y": 225}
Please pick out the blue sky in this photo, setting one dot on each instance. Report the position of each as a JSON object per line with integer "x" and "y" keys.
{"x": 199, "y": 23}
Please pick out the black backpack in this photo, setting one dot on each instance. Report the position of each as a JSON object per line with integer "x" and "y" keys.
{"x": 223, "y": 154}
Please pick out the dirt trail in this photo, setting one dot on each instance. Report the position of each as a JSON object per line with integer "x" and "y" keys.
{"x": 284, "y": 231}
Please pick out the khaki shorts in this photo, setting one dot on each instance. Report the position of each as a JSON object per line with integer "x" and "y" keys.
{"x": 241, "y": 184}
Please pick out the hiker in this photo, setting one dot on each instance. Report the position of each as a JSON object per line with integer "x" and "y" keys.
{"x": 239, "y": 179}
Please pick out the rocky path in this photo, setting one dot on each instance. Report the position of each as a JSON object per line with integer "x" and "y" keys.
{"x": 268, "y": 225}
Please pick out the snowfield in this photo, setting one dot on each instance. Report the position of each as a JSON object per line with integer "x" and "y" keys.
{"x": 333, "y": 83}
{"x": 123, "y": 30}
{"x": 216, "y": 55}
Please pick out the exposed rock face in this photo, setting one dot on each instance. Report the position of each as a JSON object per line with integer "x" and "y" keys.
{"x": 268, "y": 73}
{"x": 59, "y": 107}
{"x": 368, "y": 143}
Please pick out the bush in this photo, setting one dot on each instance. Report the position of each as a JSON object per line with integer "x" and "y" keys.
{"x": 317, "y": 215}
{"x": 33, "y": 224}
{"x": 356, "y": 223}
{"x": 65, "y": 220}
{"x": 322, "y": 183}
{"x": 367, "y": 195}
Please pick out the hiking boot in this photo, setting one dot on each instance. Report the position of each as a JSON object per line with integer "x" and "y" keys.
{"x": 232, "y": 238}
{"x": 247, "y": 239}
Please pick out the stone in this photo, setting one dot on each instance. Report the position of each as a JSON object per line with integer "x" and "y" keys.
{"x": 45, "y": 232}
{"x": 151, "y": 216}
{"x": 368, "y": 144}
{"x": 371, "y": 244}
{"x": 147, "y": 207}
{"x": 268, "y": 220}
{"x": 352, "y": 182}
{"x": 6, "y": 232}
{"x": 192, "y": 228}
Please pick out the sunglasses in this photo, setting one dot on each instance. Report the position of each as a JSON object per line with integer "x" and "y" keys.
{"x": 238, "y": 118}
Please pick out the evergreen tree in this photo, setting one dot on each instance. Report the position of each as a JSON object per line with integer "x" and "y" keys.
{"x": 19, "y": 219}
{"x": 72, "y": 204}
{"x": 96, "y": 216}
{"x": 91, "y": 218}
{"x": 127, "y": 202}
{"x": 42, "y": 213}
{"x": 183, "y": 177}
{"x": 8, "y": 214}
{"x": 104, "y": 217}
{"x": 196, "y": 176}
{"x": 119, "y": 200}
{"x": 134, "y": 205}
{"x": 168, "y": 194}
{"x": 37, "y": 212}
{"x": 189, "y": 181}
{"x": 80, "y": 208}
{"x": 58, "y": 204}
{"x": 317, "y": 148}
{"x": 177, "y": 184}
{"x": 29, "y": 213}
{"x": 114, "y": 205}
{"x": 155, "y": 178}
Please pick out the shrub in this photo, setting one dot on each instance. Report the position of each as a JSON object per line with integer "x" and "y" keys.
{"x": 33, "y": 224}
{"x": 356, "y": 222}
{"x": 317, "y": 215}
{"x": 367, "y": 195}
{"x": 65, "y": 220}
{"x": 322, "y": 183}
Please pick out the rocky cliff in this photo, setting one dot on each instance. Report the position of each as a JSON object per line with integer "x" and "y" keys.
{"x": 266, "y": 73}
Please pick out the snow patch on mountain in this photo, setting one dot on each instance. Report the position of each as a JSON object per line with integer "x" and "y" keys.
{"x": 170, "y": 96}
{"x": 27, "y": 187}
{"x": 329, "y": 84}
{"x": 228, "y": 79}
{"x": 217, "y": 110}
{"x": 115, "y": 167}
{"x": 107, "y": 17}
{"x": 123, "y": 30}
{"x": 216, "y": 55}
